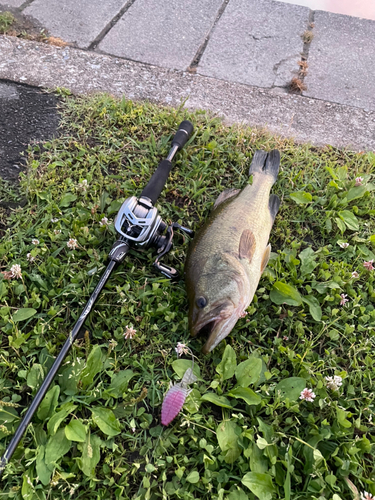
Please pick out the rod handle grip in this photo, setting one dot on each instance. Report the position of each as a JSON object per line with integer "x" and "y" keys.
{"x": 155, "y": 185}
{"x": 183, "y": 134}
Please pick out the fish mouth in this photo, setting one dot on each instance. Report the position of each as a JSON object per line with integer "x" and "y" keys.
{"x": 215, "y": 329}
{"x": 206, "y": 329}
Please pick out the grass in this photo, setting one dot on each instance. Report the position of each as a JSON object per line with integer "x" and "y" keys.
{"x": 244, "y": 432}
{"x": 6, "y": 20}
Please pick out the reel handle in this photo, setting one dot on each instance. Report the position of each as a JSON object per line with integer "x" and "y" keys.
{"x": 155, "y": 185}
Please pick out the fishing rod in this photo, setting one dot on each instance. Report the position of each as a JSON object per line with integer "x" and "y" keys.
{"x": 137, "y": 224}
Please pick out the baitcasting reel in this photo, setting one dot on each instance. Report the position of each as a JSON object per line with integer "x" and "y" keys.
{"x": 138, "y": 222}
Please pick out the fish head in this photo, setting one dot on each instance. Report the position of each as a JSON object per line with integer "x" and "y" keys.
{"x": 217, "y": 298}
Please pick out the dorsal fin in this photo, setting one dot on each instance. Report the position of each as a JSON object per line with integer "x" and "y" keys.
{"x": 266, "y": 258}
{"x": 225, "y": 195}
{"x": 247, "y": 245}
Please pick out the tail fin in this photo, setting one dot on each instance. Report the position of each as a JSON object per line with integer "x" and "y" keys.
{"x": 266, "y": 163}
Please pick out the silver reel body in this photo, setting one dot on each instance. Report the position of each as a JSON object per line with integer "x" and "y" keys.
{"x": 138, "y": 221}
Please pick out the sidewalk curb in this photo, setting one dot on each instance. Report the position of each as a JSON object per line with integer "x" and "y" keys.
{"x": 304, "y": 119}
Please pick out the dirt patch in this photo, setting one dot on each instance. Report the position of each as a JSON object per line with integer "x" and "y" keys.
{"x": 14, "y": 23}
{"x": 27, "y": 115}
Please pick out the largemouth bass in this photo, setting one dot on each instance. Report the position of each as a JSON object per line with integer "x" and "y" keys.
{"x": 230, "y": 252}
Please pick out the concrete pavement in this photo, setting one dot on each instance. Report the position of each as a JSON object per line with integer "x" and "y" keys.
{"x": 236, "y": 58}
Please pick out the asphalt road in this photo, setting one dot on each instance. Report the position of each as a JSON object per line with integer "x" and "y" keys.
{"x": 27, "y": 115}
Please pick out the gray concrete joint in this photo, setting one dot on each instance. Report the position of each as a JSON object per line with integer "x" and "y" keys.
{"x": 125, "y": 59}
{"x": 195, "y": 62}
{"x": 310, "y": 27}
{"x": 25, "y": 4}
{"x": 306, "y": 47}
{"x": 15, "y": 10}
{"x": 110, "y": 25}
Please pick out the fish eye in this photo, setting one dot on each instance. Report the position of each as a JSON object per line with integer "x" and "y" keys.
{"x": 201, "y": 302}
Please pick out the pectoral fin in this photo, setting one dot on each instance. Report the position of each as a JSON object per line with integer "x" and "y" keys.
{"x": 247, "y": 245}
{"x": 225, "y": 195}
{"x": 266, "y": 258}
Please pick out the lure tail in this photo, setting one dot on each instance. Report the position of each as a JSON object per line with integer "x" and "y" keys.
{"x": 188, "y": 378}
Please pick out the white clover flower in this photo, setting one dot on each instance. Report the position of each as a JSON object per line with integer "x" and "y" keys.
{"x": 181, "y": 349}
{"x": 343, "y": 299}
{"x": 16, "y": 271}
{"x": 129, "y": 332}
{"x": 343, "y": 245}
{"x": 72, "y": 244}
{"x": 355, "y": 274}
{"x": 358, "y": 181}
{"x": 104, "y": 221}
{"x": 54, "y": 220}
{"x": 308, "y": 395}
{"x": 367, "y": 496}
{"x": 72, "y": 489}
{"x": 57, "y": 231}
{"x": 82, "y": 186}
{"x": 35, "y": 241}
{"x": 334, "y": 383}
{"x": 369, "y": 265}
{"x": 30, "y": 258}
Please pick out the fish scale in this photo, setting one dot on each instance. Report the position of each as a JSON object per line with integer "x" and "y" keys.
{"x": 229, "y": 253}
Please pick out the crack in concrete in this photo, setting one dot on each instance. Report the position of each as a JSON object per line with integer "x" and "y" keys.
{"x": 261, "y": 37}
{"x": 277, "y": 66}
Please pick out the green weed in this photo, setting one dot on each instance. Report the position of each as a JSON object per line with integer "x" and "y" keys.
{"x": 244, "y": 432}
{"x": 6, "y": 20}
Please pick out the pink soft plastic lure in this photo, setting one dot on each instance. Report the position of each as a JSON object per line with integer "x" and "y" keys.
{"x": 175, "y": 398}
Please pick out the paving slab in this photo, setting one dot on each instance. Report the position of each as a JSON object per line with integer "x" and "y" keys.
{"x": 10, "y": 3}
{"x": 78, "y": 22}
{"x": 167, "y": 33}
{"x": 304, "y": 119}
{"x": 256, "y": 42}
{"x": 341, "y": 60}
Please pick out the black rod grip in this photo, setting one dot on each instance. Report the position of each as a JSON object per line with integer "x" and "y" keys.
{"x": 155, "y": 185}
{"x": 183, "y": 133}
